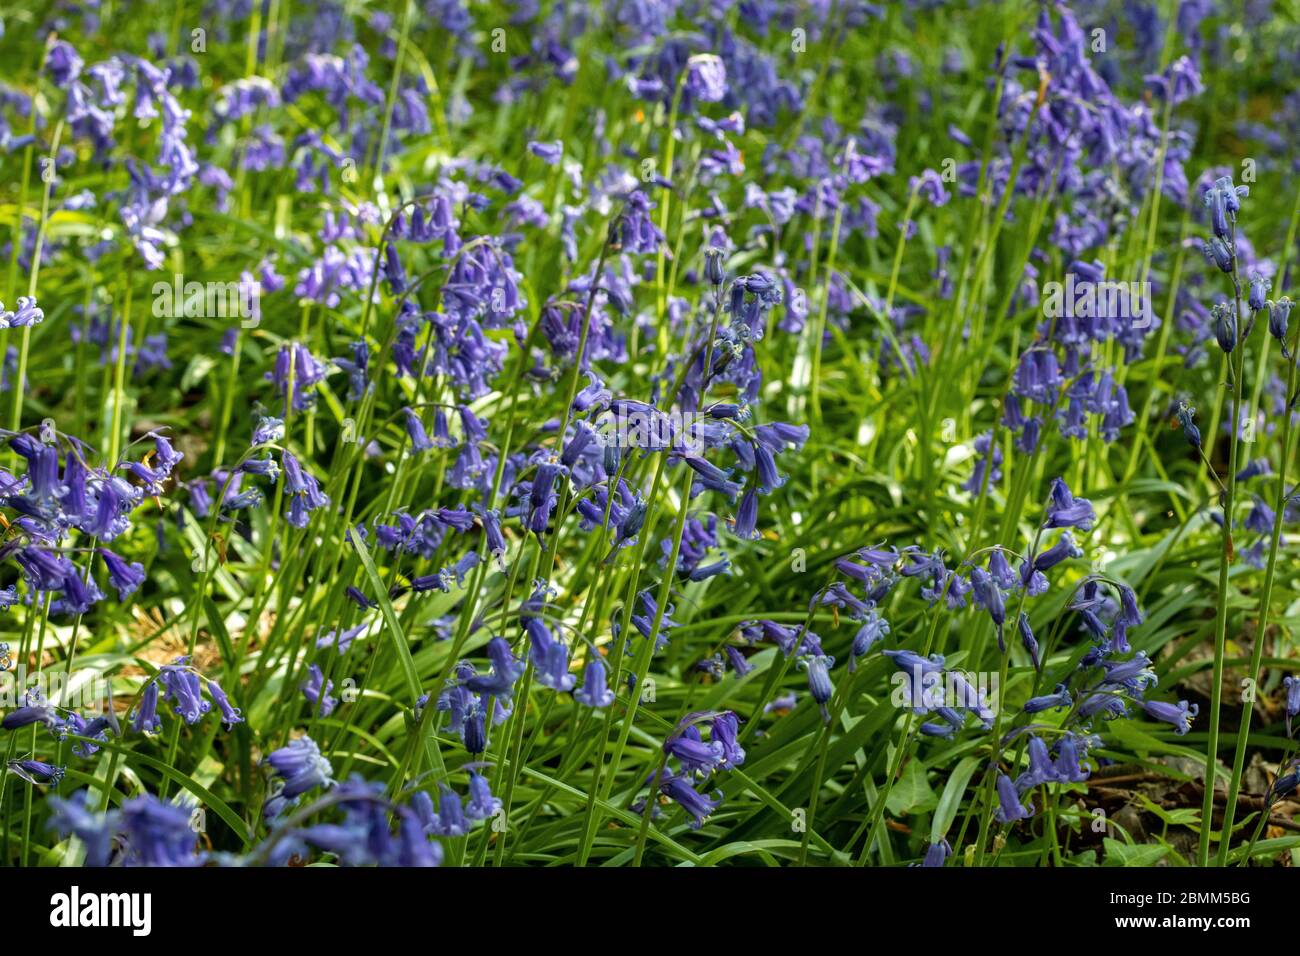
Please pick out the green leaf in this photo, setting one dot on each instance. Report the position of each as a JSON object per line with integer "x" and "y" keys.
{"x": 912, "y": 793}
{"x": 1121, "y": 854}
{"x": 206, "y": 796}
{"x": 1187, "y": 816}
{"x": 950, "y": 802}
{"x": 390, "y": 620}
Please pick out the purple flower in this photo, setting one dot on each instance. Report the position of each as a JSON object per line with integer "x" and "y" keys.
{"x": 680, "y": 791}
{"x": 1066, "y": 511}
{"x": 303, "y": 489}
{"x": 1010, "y": 808}
{"x": 1057, "y": 700}
{"x": 1180, "y": 714}
{"x": 724, "y": 733}
{"x": 146, "y": 718}
{"x": 594, "y": 692}
{"x": 1224, "y": 201}
{"x": 549, "y": 153}
{"x": 819, "y": 679}
{"x": 451, "y": 821}
{"x": 1278, "y": 314}
{"x": 301, "y": 767}
{"x": 706, "y": 78}
{"x": 1186, "y": 414}
{"x": 482, "y": 805}
{"x": 125, "y": 577}
{"x": 317, "y": 691}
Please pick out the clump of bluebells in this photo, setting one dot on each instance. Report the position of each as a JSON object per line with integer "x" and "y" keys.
{"x": 521, "y": 484}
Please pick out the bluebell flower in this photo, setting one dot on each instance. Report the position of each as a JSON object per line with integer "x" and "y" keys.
{"x": 482, "y": 805}
{"x": 451, "y": 820}
{"x": 126, "y": 578}
{"x": 1260, "y": 519}
{"x": 819, "y": 679}
{"x": 1257, "y": 297}
{"x": 1135, "y": 674}
{"x": 542, "y": 496}
{"x": 1285, "y": 785}
{"x": 838, "y": 595}
{"x": 182, "y": 688}
{"x": 36, "y": 709}
{"x": 1217, "y": 252}
{"x": 146, "y": 718}
{"x": 1224, "y": 317}
{"x": 711, "y": 476}
{"x": 267, "y": 431}
{"x": 680, "y": 791}
{"x": 473, "y": 730}
{"x": 593, "y": 395}
{"x": 1041, "y": 768}
{"x": 706, "y": 78}
{"x": 988, "y": 461}
{"x": 63, "y": 64}
{"x": 549, "y": 153}
{"x": 303, "y": 489}
{"x": 937, "y": 854}
{"x": 1106, "y": 702}
{"x": 357, "y": 596}
{"x": 157, "y": 833}
{"x": 1000, "y": 571}
{"x": 724, "y": 732}
{"x": 294, "y": 363}
{"x": 1069, "y": 762}
{"x": 873, "y": 630}
{"x": 713, "y": 270}
{"x": 242, "y": 500}
{"x": 415, "y": 432}
{"x": 929, "y": 186}
{"x": 301, "y": 766}
{"x": 633, "y": 231}
{"x": 955, "y": 590}
{"x": 1010, "y": 807}
{"x": 746, "y": 518}
{"x": 1180, "y": 715}
{"x": 457, "y": 699}
{"x": 1257, "y": 466}
{"x": 1224, "y": 201}
{"x": 988, "y": 595}
{"x": 550, "y": 657}
{"x": 739, "y": 663}
{"x": 79, "y": 816}
{"x": 506, "y": 670}
{"x": 644, "y": 622}
{"x": 229, "y": 713}
{"x": 266, "y": 467}
{"x": 1038, "y": 376}
{"x": 697, "y": 757}
{"x": 36, "y": 771}
{"x": 1064, "y": 549}
{"x": 1066, "y": 511}
{"x": 1279, "y": 313}
{"x": 1292, "y": 685}
{"x": 1186, "y": 415}
{"x": 317, "y": 691}
{"x": 594, "y": 692}
{"x": 1057, "y": 700}
{"x": 1027, "y": 638}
